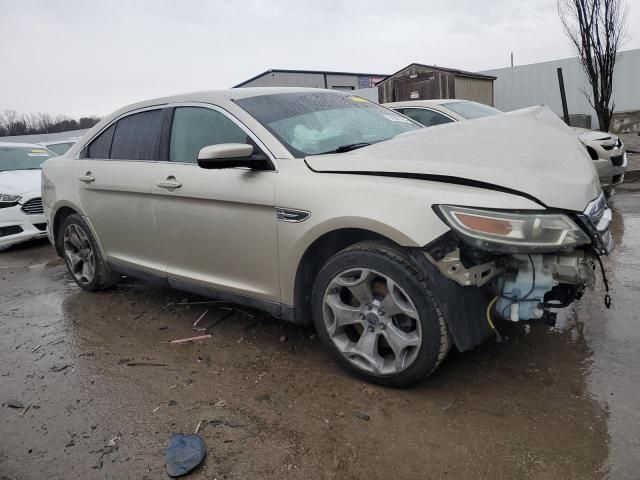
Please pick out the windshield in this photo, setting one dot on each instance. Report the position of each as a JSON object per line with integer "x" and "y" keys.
{"x": 471, "y": 110}
{"x": 311, "y": 123}
{"x": 60, "y": 148}
{"x": 23, "y": 158}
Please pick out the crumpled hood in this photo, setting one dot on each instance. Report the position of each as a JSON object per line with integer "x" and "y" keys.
{"x": 530, "y": 151}
{"x": 17, "y": 182}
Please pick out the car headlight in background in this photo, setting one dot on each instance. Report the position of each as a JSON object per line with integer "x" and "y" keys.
{"x": 7, "y": 200}
{"x": 513, "y": 232}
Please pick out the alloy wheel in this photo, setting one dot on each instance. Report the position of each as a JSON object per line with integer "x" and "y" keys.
{"x": 79, "y": 254}
{"x": 372, "y": 321}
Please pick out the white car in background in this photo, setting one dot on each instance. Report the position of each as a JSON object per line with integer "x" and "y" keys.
{"x": 605, "y": 149}
{"x": 59, "y": 147}
{"x": 21, "y": 215}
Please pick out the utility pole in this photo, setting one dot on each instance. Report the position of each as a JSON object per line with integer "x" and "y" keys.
{"x": 563, "y": 97}
{"x": 512, "y": 59}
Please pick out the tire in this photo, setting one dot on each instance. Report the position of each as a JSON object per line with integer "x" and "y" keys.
{"x": 82, "y": 256}
{"x": 396, "y": 283}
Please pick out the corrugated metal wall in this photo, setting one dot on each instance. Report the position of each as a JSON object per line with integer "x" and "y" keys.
{"x": 475, "y": 89}
{"x": 537, "y": 84}
{"x": 370, "y": 94}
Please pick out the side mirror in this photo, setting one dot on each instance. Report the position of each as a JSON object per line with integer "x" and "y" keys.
{"x": 226, "y": 155}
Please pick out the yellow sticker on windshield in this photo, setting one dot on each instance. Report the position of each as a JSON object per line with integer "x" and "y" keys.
{"x": 359, "y": 99}
{"x": 38, "y": 150}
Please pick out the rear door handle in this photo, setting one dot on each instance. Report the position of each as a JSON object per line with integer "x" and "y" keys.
{"x": 87, "y": 178}
{"x": 169, "y": 183}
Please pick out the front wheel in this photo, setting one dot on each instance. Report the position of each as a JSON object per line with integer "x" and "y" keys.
{"x": 374, "y": 308}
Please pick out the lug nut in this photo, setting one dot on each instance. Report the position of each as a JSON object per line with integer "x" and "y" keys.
{"x": 381, "y": 313}
{"x": 370, "y": 328}
{"x": 383, "y": 326}
{"x": 363, "y": 316}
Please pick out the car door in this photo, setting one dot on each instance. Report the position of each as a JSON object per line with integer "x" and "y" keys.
{"x": 114, "y": 186}
{"x": 217, "y": 228}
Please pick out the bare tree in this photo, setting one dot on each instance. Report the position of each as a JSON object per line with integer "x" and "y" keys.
{"x": 13, "y": 123}
{"x": 597, "y": 29}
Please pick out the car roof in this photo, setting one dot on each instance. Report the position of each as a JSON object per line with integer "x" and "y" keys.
{"x": 22, "y": 145}
{"x": 425, "y": 103}
{"x": 228, "y": 94}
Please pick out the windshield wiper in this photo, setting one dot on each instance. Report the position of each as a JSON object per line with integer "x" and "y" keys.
{"x": 348, "y": 147}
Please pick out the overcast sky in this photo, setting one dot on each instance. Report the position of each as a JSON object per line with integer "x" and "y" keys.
{"x": 91, "y": 57}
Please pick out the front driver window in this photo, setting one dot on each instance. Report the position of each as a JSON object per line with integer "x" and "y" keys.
{"x": 428, "y": 118}
{"x": 196, "y": 127}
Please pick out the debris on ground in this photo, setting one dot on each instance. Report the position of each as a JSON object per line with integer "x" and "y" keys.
{"x": 283, "y": 338}
{"x": 60, "y": 368}
{"x": 21, "y": 414}
{"x": 112, "y": 443}
{"x": 146, "y": 364}
{"x": 198, "y": 427}
{"x": 191, "y": 339}
{"x": 363, "y": 416}
{"x": 35, "y": 349}
{"x": 15, "y": 403}
{"x": 220, "y": 404}
{"x": 184, "y": 453}
{"x": 195, "y": 324}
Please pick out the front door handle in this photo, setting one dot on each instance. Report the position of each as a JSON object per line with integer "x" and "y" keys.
{"x": 87, "y": 178}
{"x": 170, "y": 183}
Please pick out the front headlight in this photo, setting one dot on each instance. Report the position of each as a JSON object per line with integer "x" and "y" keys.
{"x": 7, "y": 200}
{"x": 513, "y": 232}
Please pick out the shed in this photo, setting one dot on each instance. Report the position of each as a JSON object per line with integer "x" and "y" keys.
{"x": 427, "y": 82}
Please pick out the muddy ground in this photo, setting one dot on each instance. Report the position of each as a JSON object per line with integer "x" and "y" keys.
{"x": 548, "y": 403}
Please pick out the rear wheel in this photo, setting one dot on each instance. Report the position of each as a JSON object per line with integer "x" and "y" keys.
{"x": 82, "y": 255}
{"x": 373, "y": 307}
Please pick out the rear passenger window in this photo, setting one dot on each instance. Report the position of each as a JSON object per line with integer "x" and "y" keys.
{"x": 101, "y": 146}
{"x": 196, "y": 127}
{"x": 136, "y": 136}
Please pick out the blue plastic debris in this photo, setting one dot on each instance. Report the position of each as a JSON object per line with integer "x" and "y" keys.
{"x": 184, "y": 453}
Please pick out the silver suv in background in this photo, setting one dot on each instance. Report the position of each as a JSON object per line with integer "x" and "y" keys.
{"x": 320, "y": 207}
{"x": 605, "y": 149}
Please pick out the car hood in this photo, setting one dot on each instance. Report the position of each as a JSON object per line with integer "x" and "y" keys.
{"x": 529, "y": 151}
{"x": 17, "y": 182}
{"x": 587, "y": 136}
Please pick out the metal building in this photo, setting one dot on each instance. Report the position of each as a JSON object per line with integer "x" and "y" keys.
{"x": 537, "y": 83}
{"x": 345, "y": 81}
{"x": 427, "y": 82}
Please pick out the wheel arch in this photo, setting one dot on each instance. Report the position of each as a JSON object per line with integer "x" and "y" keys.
{"x": 61, "y": 213}
{"x": 316, "y": 256}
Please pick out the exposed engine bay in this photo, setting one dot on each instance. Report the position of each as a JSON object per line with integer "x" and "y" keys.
{"x": 525, "y": 285}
